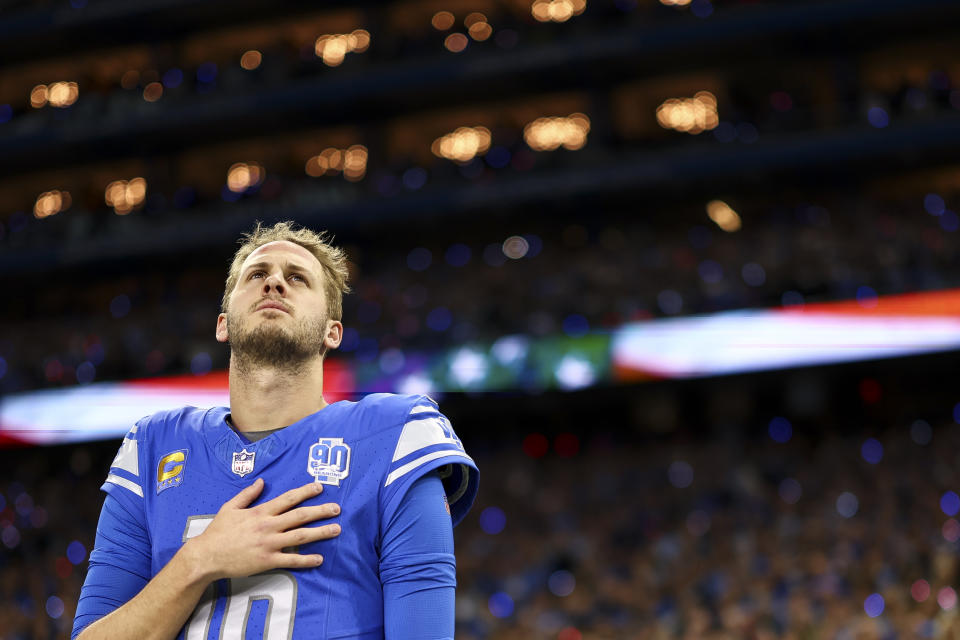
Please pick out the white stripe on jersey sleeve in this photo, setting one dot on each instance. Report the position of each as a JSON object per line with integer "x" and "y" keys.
{"x": 126, "y": 484}
{"x": 399, "y": 472}
{"x": 422, "y": 408}
{"x": 423, "y": 432}
{"x": 127, "y": 458}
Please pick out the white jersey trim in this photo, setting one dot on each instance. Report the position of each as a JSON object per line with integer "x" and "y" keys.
{"x": 423, "y": 408}
{"x": 127, "y": 458}
{"x": 423, "y": 432}
{"x": 126, "y": 484}
{"x": 399, "y": 472}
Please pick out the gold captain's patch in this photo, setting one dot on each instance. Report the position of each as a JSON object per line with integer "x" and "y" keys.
{"x": 170, "y": 470}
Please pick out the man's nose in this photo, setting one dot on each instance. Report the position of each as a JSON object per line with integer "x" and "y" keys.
{"x": 273, "y": 282}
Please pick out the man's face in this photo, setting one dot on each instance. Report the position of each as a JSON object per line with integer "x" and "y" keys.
{"x": 277, "y": 314}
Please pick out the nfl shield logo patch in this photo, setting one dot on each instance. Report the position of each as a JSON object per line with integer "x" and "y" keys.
{"x": 243, "y": 462}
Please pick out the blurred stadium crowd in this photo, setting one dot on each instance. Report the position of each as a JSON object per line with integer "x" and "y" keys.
{"x": 563, "y": 277}
{"x": 700, "y": 156}
{"x": 806, "y": 529}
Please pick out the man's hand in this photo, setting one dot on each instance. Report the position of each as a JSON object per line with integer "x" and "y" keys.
{"x": 243, "y": 540}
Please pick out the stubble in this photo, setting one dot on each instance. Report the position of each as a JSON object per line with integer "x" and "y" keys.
{"x": 271, "y": 345}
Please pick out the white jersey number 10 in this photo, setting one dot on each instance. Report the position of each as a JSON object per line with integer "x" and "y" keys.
{"x": 277, "y": 588}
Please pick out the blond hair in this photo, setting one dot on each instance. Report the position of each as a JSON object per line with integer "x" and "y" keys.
{"x": 332, "y": 259}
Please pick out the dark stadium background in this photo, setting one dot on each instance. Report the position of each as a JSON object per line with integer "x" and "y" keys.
{"x": 794, "y": 503}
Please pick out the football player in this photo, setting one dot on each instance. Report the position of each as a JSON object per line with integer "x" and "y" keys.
{"x": 281, "y": 516}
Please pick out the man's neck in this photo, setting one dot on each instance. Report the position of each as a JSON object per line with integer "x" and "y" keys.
{"x": 268, "y": 398}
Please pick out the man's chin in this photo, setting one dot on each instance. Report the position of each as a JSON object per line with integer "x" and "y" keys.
{"x": 271, "y": 346}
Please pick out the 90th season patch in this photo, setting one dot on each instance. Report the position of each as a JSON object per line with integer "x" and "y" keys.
{"x": 329, "y": 461}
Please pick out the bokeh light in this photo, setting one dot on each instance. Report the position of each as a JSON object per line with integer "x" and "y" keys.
{"x": 500, "y": 605}
{"x": 536, "y": 445}
{"x": 458, "y": 255}
{"x": 125, "y": 195}
{"x": 950, "y": 530}
{"x": 920, "y": 590}
{"x": 414, "y": 178}
{"x": 549, "y": 134}
{"x": 847, "y": 504}
{"x": 480, "y": 31}
{"x": 566, "y": 445}
{"x": 515, "y": 247}
{"x": 790, "y": 491}
{"x": 950, "y": 503}
{"x": 38, "y": 96}
{"x": 54, "y": 607}
{"x": 201, "y": 363}
{"x": 352, "y": 162}
{"x": 419, "y": 259}
{"x": 690, "y": 115}
{"x": 576, "y": 325}
{"x": 86, "y": 372}
{"x": 934, "y": 204}
{"x": 57, "y": 94}
{"x": 873, "y": 605}
{"x": 333, "y": 48}
{"x": 670, "y": 302}
{"x": 680, "y": 474}
{"x": 753, "y": 274}
{"x": 76, "y": 552}
{"x": 872, "y": 451}
{"x": 442, "y": 20}
{"x": 493, "y": 520}
{"x": 172, "y": 78}
{"x": 51, "y": 203}
{"x": 723, "y": 216}
{"x": 575, "y": 372}
{"x": 153, "y": 92}
{"x": 561, "y": 583}
{"x": 463, "y": 144}
{"x": 878, "y": 117}
{"x": 780, "y": 429}
{"x": 456, "y": 42}
{"x": 921, "y": 432}
{"x": 245, "y": 175}
{"x": 10, "y": 536}
{"x": 250, "y": 60}
{"x": 207, "y": 73}
{"x": 120, "y": 306}
{"x": 947, "y": 598}
{"x": 557, "y": 10}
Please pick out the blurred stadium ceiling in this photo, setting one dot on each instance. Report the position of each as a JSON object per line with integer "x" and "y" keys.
{"x": 614, "y": 65}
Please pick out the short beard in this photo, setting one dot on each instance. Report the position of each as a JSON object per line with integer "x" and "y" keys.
{"x": 270, "y": 346}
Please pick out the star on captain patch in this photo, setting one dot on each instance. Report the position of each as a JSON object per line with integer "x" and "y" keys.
{"x": 243, "y": 462}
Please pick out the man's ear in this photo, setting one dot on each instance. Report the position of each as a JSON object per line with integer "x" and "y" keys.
{"x": 334, "y": 334}
{"x": 222, "y": 328}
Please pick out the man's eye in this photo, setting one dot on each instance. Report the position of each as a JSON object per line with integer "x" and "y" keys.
{"x": 297, "y": 276}
{"x": 255, "y": 274}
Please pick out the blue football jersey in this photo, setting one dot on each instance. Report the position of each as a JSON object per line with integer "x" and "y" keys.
{"x": 178, "y": 468}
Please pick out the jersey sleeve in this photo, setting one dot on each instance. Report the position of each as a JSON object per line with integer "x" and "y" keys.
{"x": 427, "y": 441}
{"x": 119, "y": 564}
{"x": 127, "y": 476}
{"x": 418, "y": 570}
